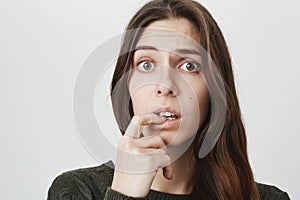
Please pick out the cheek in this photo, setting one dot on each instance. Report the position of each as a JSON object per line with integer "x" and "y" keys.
{"x": 136, "y": 103}
{"x": 140, "y": 101}
{"x": 204, "y": 105}
{"x": 203, "y": 100}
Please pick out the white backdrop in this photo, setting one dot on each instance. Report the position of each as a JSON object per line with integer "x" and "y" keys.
{"x": 43, "y": 45}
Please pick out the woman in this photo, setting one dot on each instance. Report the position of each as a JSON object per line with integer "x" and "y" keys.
{"x": 173, "y": 81}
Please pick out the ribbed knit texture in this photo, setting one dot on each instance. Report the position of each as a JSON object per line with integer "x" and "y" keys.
{"x": 113, "y": 195}
{"x": 94, "y": 184}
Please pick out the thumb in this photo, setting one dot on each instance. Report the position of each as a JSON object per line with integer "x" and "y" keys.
{"x": 168, "y": 172}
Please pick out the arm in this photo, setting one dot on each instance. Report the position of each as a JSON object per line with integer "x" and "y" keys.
{"x": 284, "y": 196}
{"x": 270, "y": 192}
{"x": 68, "y": 186}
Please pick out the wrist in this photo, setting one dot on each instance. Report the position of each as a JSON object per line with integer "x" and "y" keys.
{"x": 133, "y": 185}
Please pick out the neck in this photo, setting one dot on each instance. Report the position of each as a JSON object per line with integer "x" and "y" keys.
{"x": 181, "y": 176}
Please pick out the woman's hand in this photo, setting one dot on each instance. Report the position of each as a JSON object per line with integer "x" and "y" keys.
{"x": 138, "y": 158}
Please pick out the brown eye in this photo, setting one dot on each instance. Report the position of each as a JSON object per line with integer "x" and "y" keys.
{"x": 146, "y": 66}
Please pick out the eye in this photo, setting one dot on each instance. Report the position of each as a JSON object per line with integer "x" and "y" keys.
{"x": 145, "y": 66}
{"x": 190, "y": 67}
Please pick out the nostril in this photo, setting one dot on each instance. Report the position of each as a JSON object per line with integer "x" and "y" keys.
{"x": 165, "y": 91}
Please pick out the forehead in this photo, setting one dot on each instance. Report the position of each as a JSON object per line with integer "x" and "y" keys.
{"x": 170, "y": 35}
{"x": 181, "y": 25}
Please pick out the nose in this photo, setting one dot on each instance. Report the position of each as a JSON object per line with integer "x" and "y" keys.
{"x": 167, "y": 76}
{"x": 165, "y": 91}
{"x": 166, "y": 83}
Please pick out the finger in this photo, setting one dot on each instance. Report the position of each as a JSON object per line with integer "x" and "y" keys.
{"x": 154, "y": 118}
{"x": 134, "y": 129}
{"x": 141, "y": 160}
{"x": 150, "y": 152}
{"x": 167, "y": 138}
{"x": 153, "y": 141}
{"x": 168, "y": 172}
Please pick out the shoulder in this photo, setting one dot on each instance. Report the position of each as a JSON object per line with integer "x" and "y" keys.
{"x": 270, "y": 192}
{"x": 86, "y": 183}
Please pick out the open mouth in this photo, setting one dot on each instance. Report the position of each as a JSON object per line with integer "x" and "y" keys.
{"x": 173, "y": 119}
{"x": 168, "y": 115}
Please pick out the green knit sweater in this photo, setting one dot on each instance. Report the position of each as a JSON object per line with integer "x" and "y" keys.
{"x": 94, "y": 183}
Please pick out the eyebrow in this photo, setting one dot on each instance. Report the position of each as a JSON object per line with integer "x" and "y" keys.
{"x": 146, "y": 48}
{"x": 179, "y": 51}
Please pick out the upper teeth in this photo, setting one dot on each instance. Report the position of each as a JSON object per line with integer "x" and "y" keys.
{"x": 166, "y": 114}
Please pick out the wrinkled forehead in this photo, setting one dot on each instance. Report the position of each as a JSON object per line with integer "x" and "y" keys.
{"x": 167, "y": 39}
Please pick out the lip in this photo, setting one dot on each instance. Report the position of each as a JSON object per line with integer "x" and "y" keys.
{"x": 167, "y": 109}
{"x": 167, "y": 124}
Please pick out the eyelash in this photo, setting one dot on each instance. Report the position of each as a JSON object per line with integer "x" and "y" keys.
{"x": 143, "y": 70}
{"x": 198, "y": 66}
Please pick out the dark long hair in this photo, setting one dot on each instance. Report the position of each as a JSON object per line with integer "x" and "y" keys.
{"x": 225, "y": 173}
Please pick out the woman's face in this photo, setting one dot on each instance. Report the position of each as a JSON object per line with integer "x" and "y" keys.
{"x": 166, "y": 79}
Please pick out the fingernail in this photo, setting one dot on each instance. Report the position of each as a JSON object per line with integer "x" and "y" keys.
{"x": 157, "y": 119}
{"x": 170, "y": 176}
